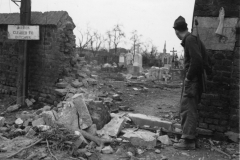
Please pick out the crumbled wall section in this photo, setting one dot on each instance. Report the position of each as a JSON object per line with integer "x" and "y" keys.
{"x": 219, "y": 108}
{"x": 49, "y": 59}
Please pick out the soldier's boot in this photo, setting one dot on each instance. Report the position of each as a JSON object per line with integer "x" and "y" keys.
{"x": 185, "y": 144}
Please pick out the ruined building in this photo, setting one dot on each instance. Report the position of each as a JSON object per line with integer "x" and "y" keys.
{"x": 49, "y": 58}
{"x": 219, "y": 109}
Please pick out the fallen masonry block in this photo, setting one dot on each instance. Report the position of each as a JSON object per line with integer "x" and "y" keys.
{"x": 140, "y": 137}
{"x": 2, "y": 121}
{"x": 62, "y": 85}
{"x": 85, "y": 119}
{"x": 61, "y": 92}
{"x": 156, "y": 123}
{"x": 151, "y": 121}
{"x": 113, "y": 127}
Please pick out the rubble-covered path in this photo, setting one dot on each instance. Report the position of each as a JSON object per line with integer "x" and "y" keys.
{"x": 131, "y": 140}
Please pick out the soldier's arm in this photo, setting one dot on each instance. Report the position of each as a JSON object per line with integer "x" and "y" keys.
{"x": 195, "y": 66}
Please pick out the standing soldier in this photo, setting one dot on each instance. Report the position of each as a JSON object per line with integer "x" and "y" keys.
{"x": 193, "y": 65}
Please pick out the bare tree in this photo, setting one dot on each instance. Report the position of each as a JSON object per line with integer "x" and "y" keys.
{"x": 117, "y": 35}
{"x": 135, "y": 40}
{"x": 96, "y": 42}
{"x": 109, "y": 39}
{"x": 84, "y": 40}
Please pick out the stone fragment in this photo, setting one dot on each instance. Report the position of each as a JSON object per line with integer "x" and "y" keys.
{"x": 32, "y": 100}
{"x": 28, "y": 102}
{"x": 62, "y": 85}
{"x": 91, "y": 81}
{"x": 2, "y": 121}
{"x": 85, "y": 82}
{"x": 38, "y": 121}
{"x": 107, "y": 150}
{"x": 140, "y": 137}
{"x": 50, "y": 117}
{"x": 158, "y": 151}
{"x": 165, "y": 140}
{"x": 113, "y": 127}
{"x": 46, "y": 108}
{"x": 233, "y": 136}
{"x": 92, "y": 129}
{"x": 19, "y": 121}
{"x": 82, "y": 75}
{"x": 140, "y": 151}
{"x": 3, "y": 129}
{"x": 99, "y": 113}
{"x": 85, "y": 119}
{"x": 30, "y": 133}
{"x": 76, "y": 83}
{"x": 13, "y": 108}
{"x": 61, "y": 92}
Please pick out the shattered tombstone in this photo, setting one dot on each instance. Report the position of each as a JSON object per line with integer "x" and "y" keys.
{"x": 68, "y": 116}
{"x": 85, "y": 119}
{"x": 75, "y": 114}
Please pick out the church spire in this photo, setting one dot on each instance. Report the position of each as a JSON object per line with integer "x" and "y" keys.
{"x": 164, "y": 50}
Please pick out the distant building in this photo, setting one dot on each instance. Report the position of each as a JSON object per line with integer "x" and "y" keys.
{"x": 165, "y": 58}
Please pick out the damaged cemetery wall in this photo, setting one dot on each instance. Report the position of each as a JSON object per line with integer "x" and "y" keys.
{"x": 219, "y": 108}
{"x": 49, "y": 59}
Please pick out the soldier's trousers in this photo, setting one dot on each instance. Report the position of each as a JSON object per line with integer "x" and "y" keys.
{"x": 188, "y": 109}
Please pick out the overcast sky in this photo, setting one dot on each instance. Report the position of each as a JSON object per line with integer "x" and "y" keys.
{"x": 153, "y": 19}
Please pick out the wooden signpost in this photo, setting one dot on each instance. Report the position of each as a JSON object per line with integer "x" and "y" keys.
{"x": 23, "y": 32}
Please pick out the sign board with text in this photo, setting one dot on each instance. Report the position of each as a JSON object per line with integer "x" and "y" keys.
{"x": 23, "y": 32}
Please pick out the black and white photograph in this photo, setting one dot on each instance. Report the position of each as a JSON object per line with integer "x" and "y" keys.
{"x": 119, "y": 79}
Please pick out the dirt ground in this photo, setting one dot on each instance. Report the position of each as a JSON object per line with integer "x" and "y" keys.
{"x": 161, "y": 102}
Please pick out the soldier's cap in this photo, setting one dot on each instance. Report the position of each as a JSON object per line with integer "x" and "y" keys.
{"x": 180, "y": 23}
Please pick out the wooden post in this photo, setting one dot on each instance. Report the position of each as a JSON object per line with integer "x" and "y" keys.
{"x": 25, "y": 19}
